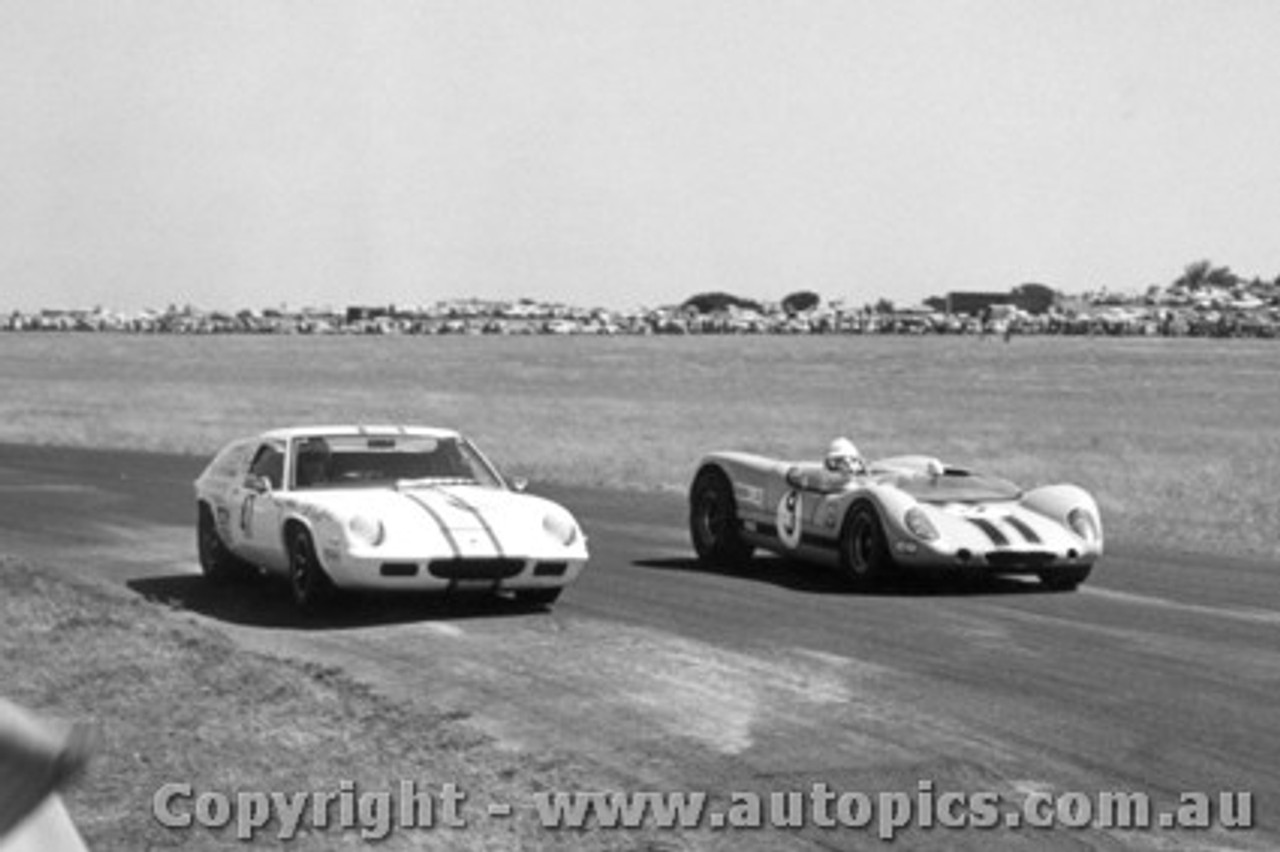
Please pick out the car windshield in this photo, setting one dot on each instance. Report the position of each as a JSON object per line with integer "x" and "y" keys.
{"x": 358, "y": 461}
{"x": 955, "y": 485}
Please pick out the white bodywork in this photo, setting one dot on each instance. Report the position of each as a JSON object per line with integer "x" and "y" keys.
{"x": 423, "y": 533}
{"x": 1043, "y": 530}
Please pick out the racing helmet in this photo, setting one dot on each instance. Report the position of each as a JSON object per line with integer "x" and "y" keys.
{"x": 843, "y": 456}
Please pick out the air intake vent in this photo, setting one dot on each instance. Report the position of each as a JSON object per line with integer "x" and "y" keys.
{"x": 475, "y": 569}
{"x": 1012, "y": 560}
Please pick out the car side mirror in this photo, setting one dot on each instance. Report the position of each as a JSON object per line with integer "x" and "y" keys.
{"x": 257, "y": 484}
{"x": 519, "y": 483}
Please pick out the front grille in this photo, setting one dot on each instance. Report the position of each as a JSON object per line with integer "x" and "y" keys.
{"x": 465, "y": 568}
{"x": 1029, "y": 560}
{"x": 399, "y": 569}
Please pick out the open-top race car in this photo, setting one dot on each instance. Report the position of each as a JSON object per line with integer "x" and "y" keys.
{"x": 905, "y": 511}
{"x": 379, "y": 508}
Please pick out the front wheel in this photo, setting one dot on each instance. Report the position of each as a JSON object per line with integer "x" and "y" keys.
{"x": 1065, "y": 579}
{"x": 864, "y": 550}
{"x": 713, "y": 520}
{"x": 217, "y": 561}
{"x": 310, "y": 586}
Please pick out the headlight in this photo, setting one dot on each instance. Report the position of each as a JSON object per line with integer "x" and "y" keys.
{"x": 367, "y": 530}
{"x": 920, "y": 525}
{"x": 1082, "y": 523}
{"x": 561, "y": 527}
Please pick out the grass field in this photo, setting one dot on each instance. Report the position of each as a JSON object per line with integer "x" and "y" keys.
{"x": 1177, "y": 438}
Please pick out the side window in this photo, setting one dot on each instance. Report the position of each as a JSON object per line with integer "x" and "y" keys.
{"x": 269, "y": 462}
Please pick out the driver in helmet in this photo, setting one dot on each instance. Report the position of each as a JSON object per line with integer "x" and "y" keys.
{"x": 843, "y": 459}
{"x": 840, "y": 467}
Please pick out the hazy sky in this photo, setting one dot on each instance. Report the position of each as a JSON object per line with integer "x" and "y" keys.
{"x": 236, "y": 153}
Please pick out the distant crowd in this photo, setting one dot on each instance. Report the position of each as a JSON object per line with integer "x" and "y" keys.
{"x": 1199, "y": 319}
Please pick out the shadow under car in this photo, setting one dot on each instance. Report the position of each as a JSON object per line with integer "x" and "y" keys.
{"x": 809, "y": 578}
{"x": 265, "y": 602}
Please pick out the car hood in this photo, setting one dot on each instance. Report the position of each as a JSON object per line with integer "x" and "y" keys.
{"x": 467, "y": 520}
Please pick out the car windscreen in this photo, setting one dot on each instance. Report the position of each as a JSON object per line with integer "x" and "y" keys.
{"x": 956, "y": 486}
{"x": 355, "y": 461}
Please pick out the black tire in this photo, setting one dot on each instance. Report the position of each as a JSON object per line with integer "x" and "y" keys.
{"x": 713, "y": 520}
{"x": 310, "y": 586}
{"x": 864, "y": 549}
{"x": 217, "y": 562}
{"x": 539, "y": 597}
{"x": 1065, "y": 579}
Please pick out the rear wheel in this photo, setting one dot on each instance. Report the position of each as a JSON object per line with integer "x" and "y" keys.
{"x": 713, "y": 520}
{"x": 310, "y": 586}
{"x": 538, "y": 597}
{"x": 217, "y": 562}
{"x": 864, "y": 550}
{"x": 1065, "y": 579}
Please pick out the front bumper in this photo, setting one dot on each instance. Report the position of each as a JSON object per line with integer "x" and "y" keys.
{"x": 1004, "y": 560}
{"x": 440, "y": 574}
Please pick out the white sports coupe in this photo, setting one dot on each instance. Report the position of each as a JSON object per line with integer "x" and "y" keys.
{"x": 379, "y": 508}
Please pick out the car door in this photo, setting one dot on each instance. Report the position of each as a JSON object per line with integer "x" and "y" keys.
{"x": 257, "y": 508}
{"x": 807, "y": 513}
{"x": 825, "y": 515}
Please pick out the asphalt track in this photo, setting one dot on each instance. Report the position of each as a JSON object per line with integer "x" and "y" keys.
{"x": 1161, "y": 675}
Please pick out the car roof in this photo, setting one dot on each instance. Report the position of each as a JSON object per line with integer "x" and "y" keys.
{"x": 290, "y": 432}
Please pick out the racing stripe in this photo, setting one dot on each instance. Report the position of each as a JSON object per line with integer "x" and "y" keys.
{"x": 435, "y": 516}
{"x": 1022, "y": 528}
{"x": 993, "y": 532}
{"x": 457, "y": 501}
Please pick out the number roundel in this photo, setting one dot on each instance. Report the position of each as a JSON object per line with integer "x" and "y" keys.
{"x": 790, "y": 511}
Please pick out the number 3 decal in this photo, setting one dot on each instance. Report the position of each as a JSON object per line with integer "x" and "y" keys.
{"x": 790, "y": 511}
